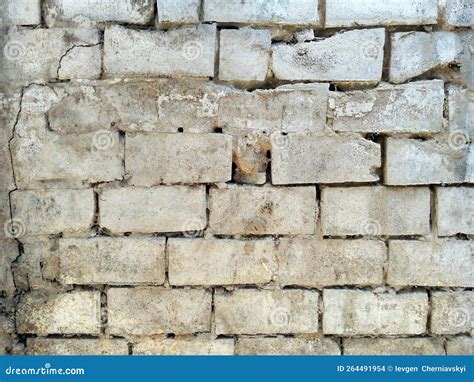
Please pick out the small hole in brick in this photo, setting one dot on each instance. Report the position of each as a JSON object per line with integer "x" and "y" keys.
{"x": 180, "y": 130}
{"x": 127, "y": 234}
{"x": 218, "y": 130}
{"x": 332, "y": 87}
{"x": 269, "y": 154}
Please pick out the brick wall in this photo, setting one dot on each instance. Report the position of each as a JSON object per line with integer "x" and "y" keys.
{"x": 238, "y": 177}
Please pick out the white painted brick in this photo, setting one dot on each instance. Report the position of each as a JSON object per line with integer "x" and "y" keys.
{"x": 184, "y": 346}
{"x": 462, "y": 345}
{"x": 81, "y": 62}
{"x": 177, "y": 12}
{"x": 76, "y": 312}
{"x": 260, "y": 211}
{"x": 455, "y": 210}
{"x": 20, "y": 12}
{"x": 458, "y": 13}
{"x": 375, "y": 211}
{"x": 220, "y": 262}
{"x": 416, "y": 107}
{"x": 302, "y": 159}
{"x": 263, "y": 12}
{"x": 320, "y": 263}
{"x": 152, "y": 159}
{"x": 352, "y": 56}
{"x": 157, "y": 209}
{"x": 354, "y": 13}
{"x": 73, "y": 346}
{"x": 393, "y": 346}
{"x": 409, "y": 161}
{"x": 286, "y": 346}
{"x": 150, "y": 311}
{"x": 244, "y": 56}
{"x": 252, "y": 311}
{"x": 414, "y": 53}
{"x": 444, "y": 263}
{"x": 460, "y": 113}
{"x": 53, "y": 211}
{"x": 105, "y": 260}
{"x": 71, "y": 12}
{"x": 186, "y": 51}
{"x": 351, "y": 312}
{"x": 453, "y": 312}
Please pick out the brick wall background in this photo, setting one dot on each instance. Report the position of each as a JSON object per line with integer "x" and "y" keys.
{"x": 237, "y": 177}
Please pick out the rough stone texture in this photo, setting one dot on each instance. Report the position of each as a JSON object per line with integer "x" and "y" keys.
{"x": 8, "y": 253}
{"x": 149, "y": 311}
{"x": 251, "y": 311}
{"x": 351, "y": 312}
{"x": 248, "y": 45}
{"x": 157, "y": 209}
{"x": 286, "y": 346}
{"x": 172, "y": 12}
{"x": 185, "y": 346}
{"x": 393, "y": 346}
{"x": 74, "y": 13}
{"x": 415, "y": 107}
{"x": 375, "y": 211}
{"x": 414, "y": 53}
{"x": 106, "y": 260}
{"x": 187, "y": 51}
{"x": 220, "y": 262}
{"x": 462, "y": 345}
{"x": 455, "y": 210}
{"x": 427, "y": 162}
{"x": 65, "y": 346}
{"x": 452, "y": 312}
{"x": 353, "y": 56}
{"x": 458, "y": 13}
{"x": 20, "y": 12}
{"x": 262, "y": 12}
{"x": 81, "y": 62}
{"x": 299, "y": 159}
{"x": 461, "y": 113}
{"x": 52, "y": 211}
{"x": 444, "y": 263}
{"x": 76, "y": 312}
{"x": 152, "y": 159}
{"x": 352, "y": 13}
{"x": 260, "y": 211}
{"x": 321, "y": 263}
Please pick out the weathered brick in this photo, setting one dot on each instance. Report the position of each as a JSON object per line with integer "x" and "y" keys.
{"x": 250, "y": 45}
{"x": 288, "y": 346}
{"x": 150, "y": 311}
{"x": 267, "y": 110}
{"x": 187, "y": 51}
{"x": 302, "y": 159}
{"x": 263, "y": 12}
{"x": 172, "y": 12}
{"x": 353, "y": 13}
{"x": 319, "y": 263}
{"x": 253, "y": 311}
{"x": 414, "y": 53}
{"x": 453, "y": 312}
{"x": 220, "y": 262}
{"x": 458, "y": 13}
{"x": 375, "y": 211}
{"x": 52, "y": 211}
{"x": 446, "y": 263}
{"x": 462, "y": 345}
{"x": 353, "y": 56}
{"x": 455, "y": 210}
{"x": 70, "y": 12}
{"x": 7, "y": 332}
{"x": 393, "y": 346}
{"x": 259, "y": 211}
{"x": 76, "y": 312}
{"x": 105, "y": 260}
{"x": 20, "y": 12}
{"x": 351, "y": 312}
{"x": 8, "y": 253}
{"x": 460, "y": 113}
{"x": 178, "y": 158}
{"x": 184, "y": 346}
{"x": 73, "y": 346}
{"x": 415, "y": 107}
{"x": 34, "y": 54}
{"x": 409, "y": 161}
{"x": 81, "y": 62}
{"x": 157, "y": 209}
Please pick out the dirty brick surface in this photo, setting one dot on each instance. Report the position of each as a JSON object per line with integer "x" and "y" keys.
{"x": 236, "y": 177}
